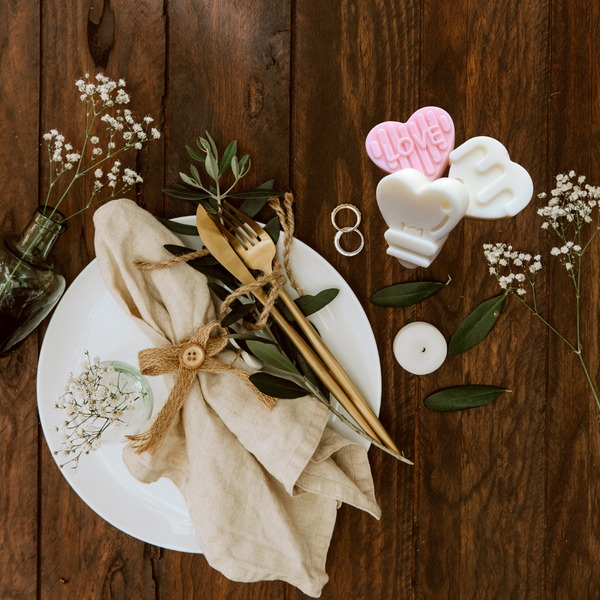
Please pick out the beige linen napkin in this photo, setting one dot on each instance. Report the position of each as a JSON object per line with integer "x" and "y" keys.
{"x": 262, "y": 487}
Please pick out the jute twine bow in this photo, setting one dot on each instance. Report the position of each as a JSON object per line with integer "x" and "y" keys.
{"x": 187, "y": 358}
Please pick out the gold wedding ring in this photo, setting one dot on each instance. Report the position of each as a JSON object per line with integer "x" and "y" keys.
{"x": 342, "y": 230}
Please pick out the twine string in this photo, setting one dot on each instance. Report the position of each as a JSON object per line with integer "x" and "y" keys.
{"x": 158, "y": 361}
{"x": 276, "y": 279}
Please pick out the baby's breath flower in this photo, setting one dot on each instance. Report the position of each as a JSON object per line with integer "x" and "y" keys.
{"x": 101, "y": 405}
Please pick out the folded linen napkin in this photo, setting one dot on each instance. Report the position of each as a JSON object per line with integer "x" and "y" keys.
{"x": 262, "y": 487}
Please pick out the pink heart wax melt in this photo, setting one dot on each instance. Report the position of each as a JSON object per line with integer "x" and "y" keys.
{"x": 423, "y": 143}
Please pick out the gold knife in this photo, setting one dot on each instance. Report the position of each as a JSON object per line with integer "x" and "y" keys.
{"x": 219, "y": 247}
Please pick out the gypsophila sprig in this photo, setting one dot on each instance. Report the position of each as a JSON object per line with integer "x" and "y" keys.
{"x": 514, "y": 270}
{"x": 92, "y": 403}
{"x": 110, "y": 130}
{"x": 572, "y": 215}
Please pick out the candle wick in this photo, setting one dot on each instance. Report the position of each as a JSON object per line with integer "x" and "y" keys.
{"x": 423, "y": 349}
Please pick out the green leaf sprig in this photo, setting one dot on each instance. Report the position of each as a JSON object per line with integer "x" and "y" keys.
{"x": 196, "y": 189}
{"x": 463, "y": 397}
{"x": 475, "y": 327}
{"x": 406, "y": 294}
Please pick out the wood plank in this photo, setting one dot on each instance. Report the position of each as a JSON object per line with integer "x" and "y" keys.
{"x": 476, "y": 465}
{"x": 228, "y": 73}
{"x": 357, "y": 65}
{"x": 572, "y": 545}
{"x": 19, "y": 110}
{"x": 233, "y": 86}
{"x": 81, "y": 555}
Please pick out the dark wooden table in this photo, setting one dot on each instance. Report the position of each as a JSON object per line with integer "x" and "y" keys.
{"x": 503, "y": 501}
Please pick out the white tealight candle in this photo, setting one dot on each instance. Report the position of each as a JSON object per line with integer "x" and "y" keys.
{"x": 420, "y": 348}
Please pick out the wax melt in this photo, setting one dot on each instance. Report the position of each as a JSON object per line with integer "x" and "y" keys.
{"x": 498, "y": 187}
{"x": 423, "y": 143}
{"x": 420, "y": 214}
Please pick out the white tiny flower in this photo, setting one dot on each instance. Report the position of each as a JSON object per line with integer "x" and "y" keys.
{"x": 47, "y": 136}
{"x": 94, "y": 139}
{"x": 138, "y": 145}
{"x": 544, "y": 225}
{"x": 521, "y": 292}
{"x": 155, "y": 133}
{"x": 555, "y": 251}
{"x": 98, "y": 173}
{"x": 97, "y": 152}
{"x": 502, "y": 262}
{"x": 148, "y": 119}
{"x": 568, "y": 266}
{"x": 564, "y": 250}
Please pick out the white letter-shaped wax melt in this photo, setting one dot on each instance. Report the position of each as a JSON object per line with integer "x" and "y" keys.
{"x": 420, "y": 214}
{"x": 498, "y": 188}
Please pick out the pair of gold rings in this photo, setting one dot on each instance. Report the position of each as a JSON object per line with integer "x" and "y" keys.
{"x": 342, "y": 230}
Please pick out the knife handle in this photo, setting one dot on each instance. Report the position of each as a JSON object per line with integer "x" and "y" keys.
{"x": 317, "y": 366}
{"x": 337, "y": 371}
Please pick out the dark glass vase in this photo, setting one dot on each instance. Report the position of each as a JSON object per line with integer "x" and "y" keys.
{"x": 30, "y": 285}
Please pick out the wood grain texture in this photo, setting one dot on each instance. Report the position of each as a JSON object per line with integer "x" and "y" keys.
{"x": 234, "y": 85}
{"x": 19, "y": 121}
{"x": 572, "y": 415}
{"x": 101, "y": 562}
{"x": 476, "y": 465}
{"x": 228, "y": 73}
{"x": 356, "y": 65}
{"x": 503, "y": 501}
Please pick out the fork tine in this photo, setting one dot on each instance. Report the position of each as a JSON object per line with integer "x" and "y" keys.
{"x": 258, "y": 230}
{"x": 240, "y": 225}
{"x": 237, "y": 245}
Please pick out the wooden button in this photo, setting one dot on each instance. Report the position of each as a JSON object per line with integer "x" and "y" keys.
{"x": 192, "y": 356}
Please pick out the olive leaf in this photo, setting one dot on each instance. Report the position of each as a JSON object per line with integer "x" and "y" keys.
{"x": 236, "y": 314}
{"x": 407, "y": 294}
{"x": 272, "y": 228}
{"x": 254, "y": 200}
{"x": 179, "y": 228}
{"x": 308, "y": 304}
{"x": 184, "y": 193}
{"x": 277, "y": 386}
{"x": 220, "y": 292}
{"x": 477, "y": 325}
{"x": 195, "y": 155}
{"x": 272, "y": 357}
{"x": 228, "y": 155}
{"x": 311, "y": 304}
{"x": 463, "y": 397}
{"x": 248, "y": 337}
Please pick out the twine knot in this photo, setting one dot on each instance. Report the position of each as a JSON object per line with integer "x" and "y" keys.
{"x": 187, "y": 358}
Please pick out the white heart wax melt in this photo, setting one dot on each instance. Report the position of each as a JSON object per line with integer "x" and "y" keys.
{"x": 498, "y": 188}
{"x": 420, "y": 214}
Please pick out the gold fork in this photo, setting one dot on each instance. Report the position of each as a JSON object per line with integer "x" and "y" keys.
{"x": 211, "y": 235}
{"x": 256, "y": 248}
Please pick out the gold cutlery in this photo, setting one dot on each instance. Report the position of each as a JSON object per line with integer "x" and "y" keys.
{"x": 256, "y": 248}
{"x": 219, "y": 247}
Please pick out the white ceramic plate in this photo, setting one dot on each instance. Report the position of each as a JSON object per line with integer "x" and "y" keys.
{"x": 87, "y": 318}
